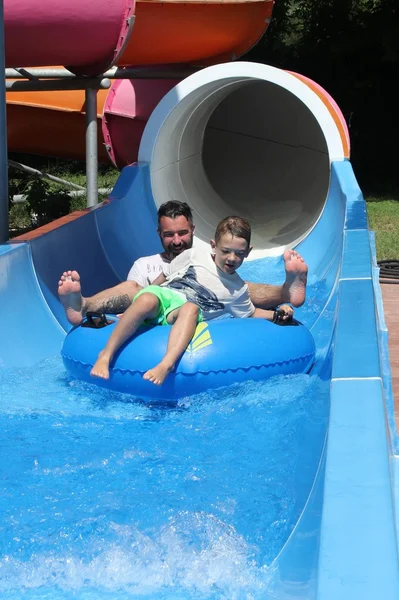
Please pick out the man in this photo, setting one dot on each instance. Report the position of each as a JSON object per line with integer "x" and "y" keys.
{"x": 176, "y": 231}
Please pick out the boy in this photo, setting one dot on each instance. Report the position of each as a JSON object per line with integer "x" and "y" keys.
{"x": 199, "y": 286}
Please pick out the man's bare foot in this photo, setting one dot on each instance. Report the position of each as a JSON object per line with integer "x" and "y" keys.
{"x": 101, "y": 366}
{"x": 158, "y": 374}
{"x": 296, "y": 272}
{"x": 69, "y": 292}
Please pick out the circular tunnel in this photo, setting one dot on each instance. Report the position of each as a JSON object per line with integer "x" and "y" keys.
{"x": 249, "y": 140}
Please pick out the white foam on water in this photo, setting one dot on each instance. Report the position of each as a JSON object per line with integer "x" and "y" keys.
{"x": 84, "y": 445}
{"x": 196, "y": 555}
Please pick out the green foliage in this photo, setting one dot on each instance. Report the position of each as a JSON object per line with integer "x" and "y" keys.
{"x": 350, "y": 48}
{"x": 19, "y": 219}
{"x": 46, "y": 204}
{"x": 47, "y": 200}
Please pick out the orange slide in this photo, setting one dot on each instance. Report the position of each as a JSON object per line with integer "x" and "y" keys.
{"x": 53, "y": 123}
{"x": 189, "y": 32}
{"x": 50, "y": 123}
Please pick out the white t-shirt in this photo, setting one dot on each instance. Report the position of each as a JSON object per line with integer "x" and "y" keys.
{"x": 195, "y": 274}
{"x": 146, "y": 269}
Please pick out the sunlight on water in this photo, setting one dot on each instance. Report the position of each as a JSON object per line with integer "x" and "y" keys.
{"x": 104, "y": 496}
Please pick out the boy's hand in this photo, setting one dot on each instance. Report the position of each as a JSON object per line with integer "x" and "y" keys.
{"x": 283, "y": 314}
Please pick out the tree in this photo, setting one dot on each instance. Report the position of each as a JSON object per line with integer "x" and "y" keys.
{"x": 349, "y": 47}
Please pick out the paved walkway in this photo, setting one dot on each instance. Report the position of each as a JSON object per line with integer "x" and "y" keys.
{"x": 390, "y": 296}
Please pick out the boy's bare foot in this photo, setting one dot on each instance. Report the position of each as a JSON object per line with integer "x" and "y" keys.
{"x": 69, "y": 292}
{"x": 101, "y": 366}
{"x": 158, "y": 374}
{"x": 296, "y": 272}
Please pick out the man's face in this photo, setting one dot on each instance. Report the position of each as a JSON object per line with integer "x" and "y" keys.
{"x": 176, "y": 235}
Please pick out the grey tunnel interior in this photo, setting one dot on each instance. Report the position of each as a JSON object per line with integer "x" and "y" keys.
{"x": 247, "y": 147}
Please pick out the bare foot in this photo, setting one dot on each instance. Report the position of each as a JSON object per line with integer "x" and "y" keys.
{"x": 101, "y": 366}
{"x": 158, "y": 374}
{"x": 296, "y": 272}
{"x": 69, "y": 292}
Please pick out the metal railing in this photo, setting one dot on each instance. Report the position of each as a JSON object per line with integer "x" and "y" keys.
{"x": 52, "y": 79}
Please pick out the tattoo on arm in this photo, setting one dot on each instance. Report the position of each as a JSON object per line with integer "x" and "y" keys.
{"x": 116, "y": 304}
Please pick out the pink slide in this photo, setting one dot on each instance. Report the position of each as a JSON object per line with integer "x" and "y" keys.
{"x": 57, "y": 120}
{"x": 89, "y": 37}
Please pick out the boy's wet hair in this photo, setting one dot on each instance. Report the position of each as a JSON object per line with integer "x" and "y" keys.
{"x": 236, "y": 226}
{"x": 174, "y": 209}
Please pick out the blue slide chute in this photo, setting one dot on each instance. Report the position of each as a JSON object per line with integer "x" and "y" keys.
{"x": 298, "y": 191}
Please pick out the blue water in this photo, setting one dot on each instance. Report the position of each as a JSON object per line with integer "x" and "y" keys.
{"x": 104, "y": 497}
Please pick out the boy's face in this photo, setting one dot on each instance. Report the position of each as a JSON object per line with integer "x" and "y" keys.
{"x": 230, "y": 252}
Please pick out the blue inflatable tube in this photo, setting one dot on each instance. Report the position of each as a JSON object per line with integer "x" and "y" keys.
{"x": 221, "y": 353}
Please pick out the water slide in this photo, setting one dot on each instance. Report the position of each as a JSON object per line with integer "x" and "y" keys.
{"x": 164, "y": 33}
{"x": 197, "y": 33}
{"x": 57, "y": 120}
{"x": 316, "y": 504}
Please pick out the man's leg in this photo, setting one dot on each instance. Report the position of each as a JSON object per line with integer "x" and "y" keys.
{"x": 113, "y": 300}
{"x": 179, "y": 338}
{"x": 145, "y": 307}
{"x": 293, "y": 290}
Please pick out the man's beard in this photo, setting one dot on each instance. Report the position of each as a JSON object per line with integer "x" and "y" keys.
{"x": 173, "y": 252}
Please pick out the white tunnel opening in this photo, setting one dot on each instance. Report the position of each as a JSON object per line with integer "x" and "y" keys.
{"x": 243, "y": 146}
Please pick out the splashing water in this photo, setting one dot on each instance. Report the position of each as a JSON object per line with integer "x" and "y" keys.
{"x": 104, "y": 496}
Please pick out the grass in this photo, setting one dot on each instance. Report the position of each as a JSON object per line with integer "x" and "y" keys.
{"x": 383, "y": 214}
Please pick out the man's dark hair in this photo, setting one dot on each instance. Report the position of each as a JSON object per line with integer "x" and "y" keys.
{"x": 174, "y": 209}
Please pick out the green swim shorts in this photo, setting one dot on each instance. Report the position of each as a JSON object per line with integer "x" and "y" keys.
{"x": 169, "y": 300}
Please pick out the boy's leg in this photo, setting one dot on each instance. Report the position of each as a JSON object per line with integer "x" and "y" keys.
{"x": 145, "y": 307}
{"x": 179, "y": 338}
{"x": 293, "y": 290}
{"x": 113, "y": 300}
